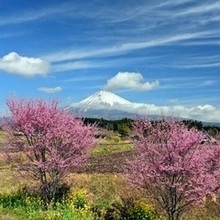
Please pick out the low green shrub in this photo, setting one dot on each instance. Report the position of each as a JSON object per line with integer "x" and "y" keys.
{"x": 78, "y": 199}
{"x": 30, "y": 207}
{"x": 130, "y": 210}
{"x": 141, "y": 211}
{"x": 76, "y": 206}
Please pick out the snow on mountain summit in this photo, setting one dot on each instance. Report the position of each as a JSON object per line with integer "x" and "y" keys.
{"x": 104, "y": 98}
{"x": 102, "y": 104}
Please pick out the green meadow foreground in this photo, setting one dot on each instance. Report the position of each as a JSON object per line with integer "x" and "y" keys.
{"x": 92, "y": 195}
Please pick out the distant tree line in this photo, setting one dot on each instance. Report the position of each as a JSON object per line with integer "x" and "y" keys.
{"x": 124, "y": 126}
{"x": 211, "y": 129}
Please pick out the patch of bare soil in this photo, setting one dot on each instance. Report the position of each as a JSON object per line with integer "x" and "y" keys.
{"x": 110, "y": 163}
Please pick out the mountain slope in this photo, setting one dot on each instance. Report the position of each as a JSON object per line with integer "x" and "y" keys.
{"x": 103, "y": 104}
{"x": 107, "y": 105}
{"x": 102, "y": 100}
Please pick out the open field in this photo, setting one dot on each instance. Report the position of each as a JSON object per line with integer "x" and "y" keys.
{"x": 100, "y": 191}
{"x": 2, "y": 137}
{"x": 111, "y": 146}
{"x": 100, "y": 185}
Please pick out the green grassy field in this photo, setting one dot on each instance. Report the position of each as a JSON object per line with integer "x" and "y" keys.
{"x": 111, "y": 146}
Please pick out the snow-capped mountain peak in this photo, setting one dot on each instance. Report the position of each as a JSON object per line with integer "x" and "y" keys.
{"x": 104, "y": 98}
{"x": 104, "y": 104}
{"x": 101, "y": 104}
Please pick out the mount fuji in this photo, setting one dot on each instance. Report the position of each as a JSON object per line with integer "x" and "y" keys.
{"x": 104, "y": 104}
{"x": 107, "y": 105}
{"x": 103, "y": 100}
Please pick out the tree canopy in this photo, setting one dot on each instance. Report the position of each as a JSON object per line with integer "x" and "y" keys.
{"x": 52, "y": 141}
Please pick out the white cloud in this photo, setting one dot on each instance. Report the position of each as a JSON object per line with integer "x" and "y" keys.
{"x": 130, "y": 80}
{"x": 25, "y": 66}
{"x": 50, "y": 90}
{"x": 208, "y": 113}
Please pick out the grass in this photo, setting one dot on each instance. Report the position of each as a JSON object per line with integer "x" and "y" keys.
{"x": 9, "y": 182}
{"x": 102, "y": 188}
{"x": 94, "y": 191}
{"x": 89, "y": 191}
{"x": 2, "y": 155}
{"x": 111, "y": 146}
{"x": 30, "y": 208}
{"x": 2, "y": 137}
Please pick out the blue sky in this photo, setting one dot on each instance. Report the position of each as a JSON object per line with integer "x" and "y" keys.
{"x": 165, "y": 53}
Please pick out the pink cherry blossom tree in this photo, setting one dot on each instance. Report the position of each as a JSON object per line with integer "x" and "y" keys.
{"x": 52, "y": 142}
{"x": 172, "y": 165}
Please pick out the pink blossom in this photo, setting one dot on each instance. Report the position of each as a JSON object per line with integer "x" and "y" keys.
{"x": 53, "y": 141}
{"x": 172, "y": 165}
